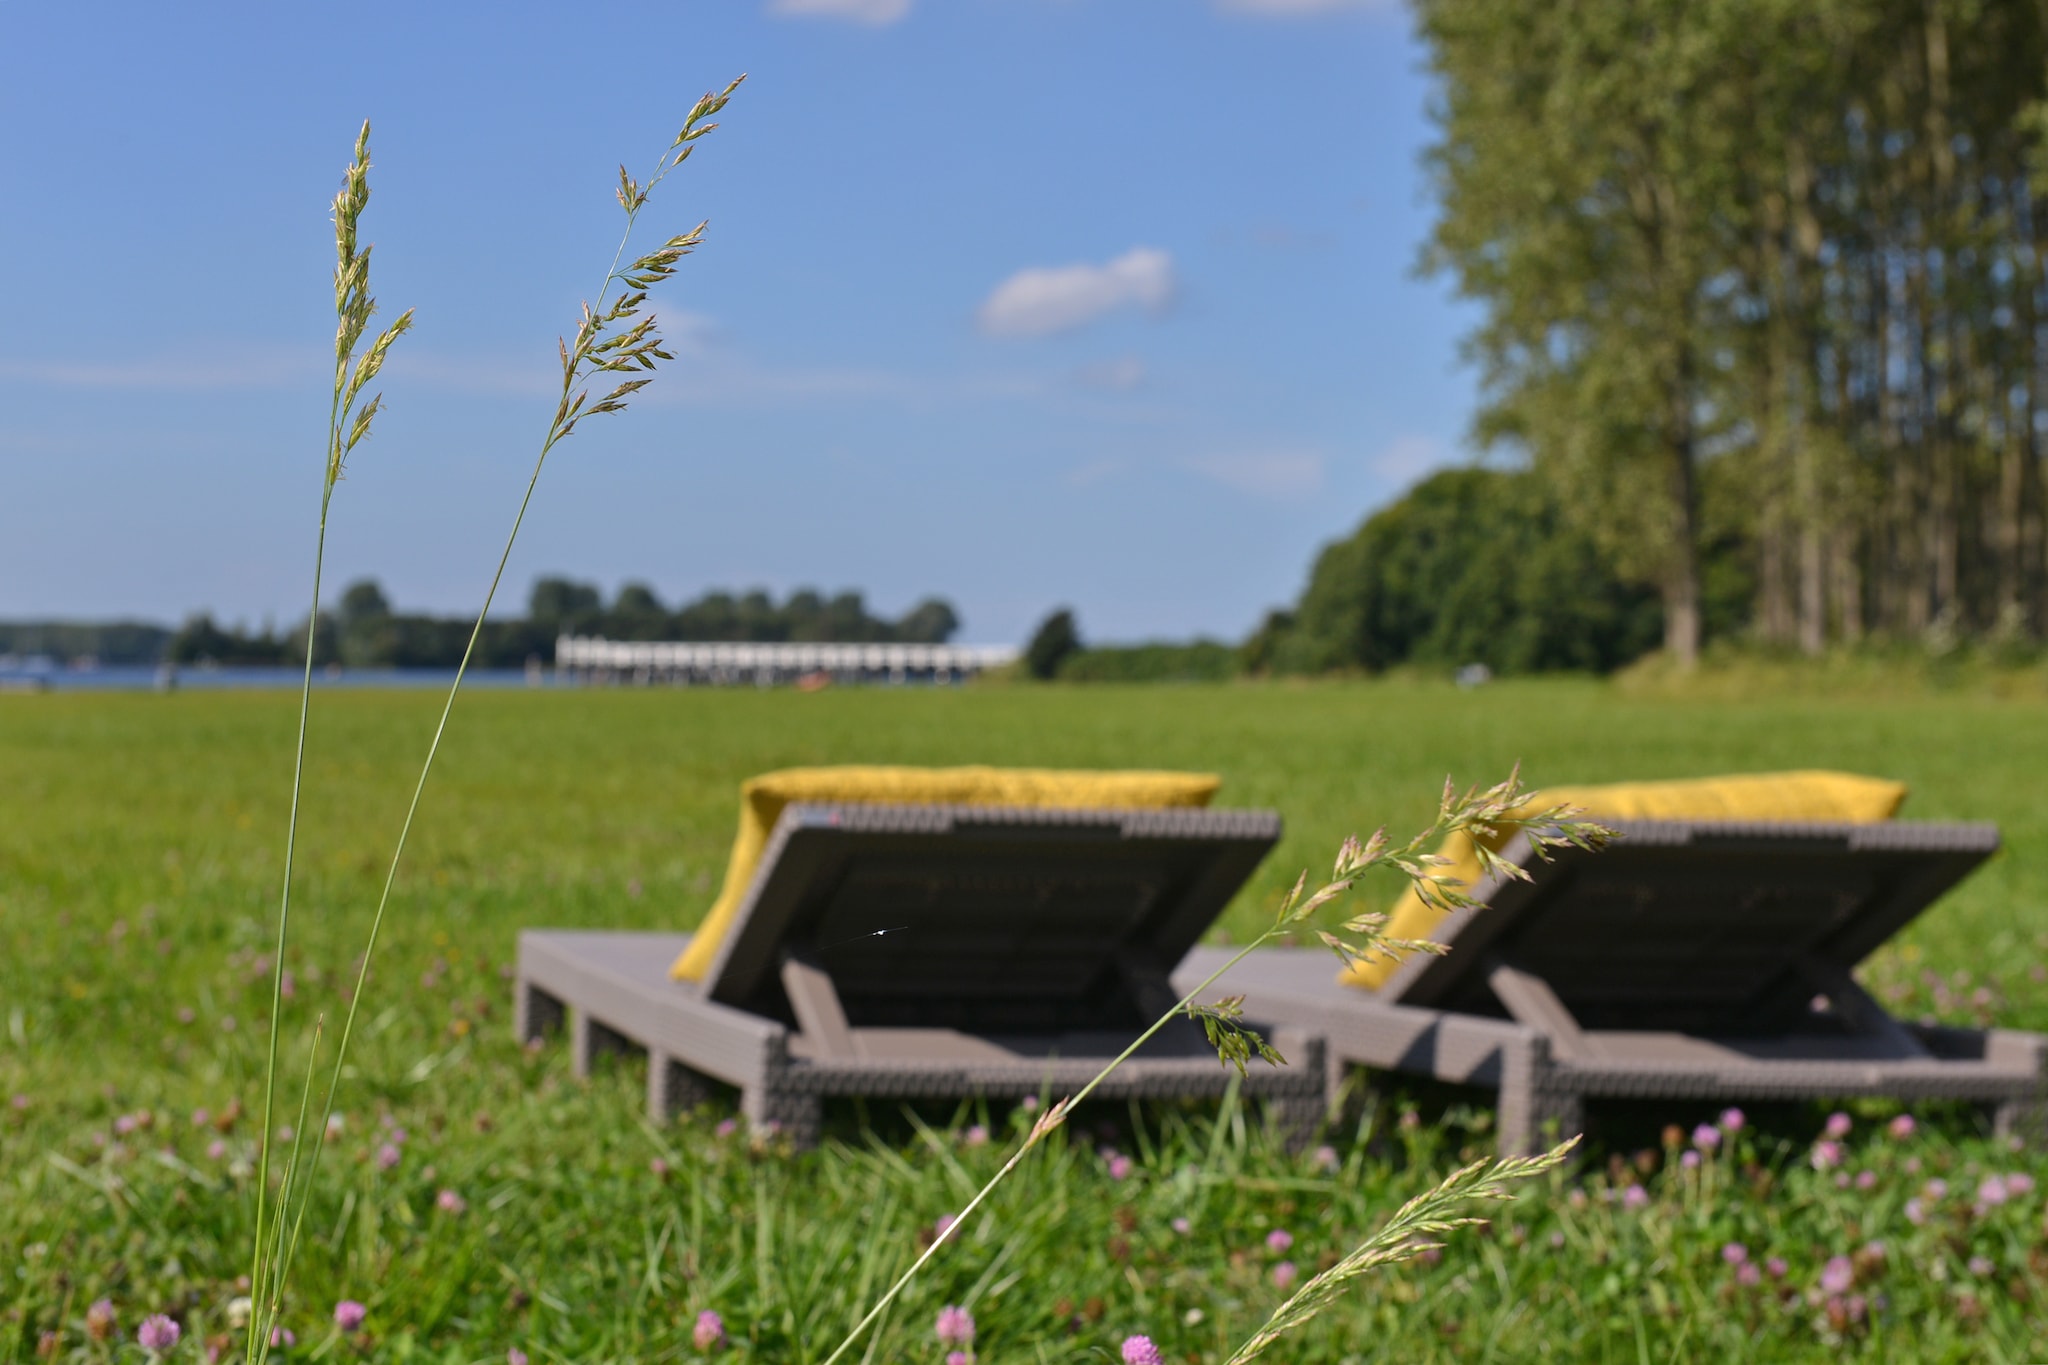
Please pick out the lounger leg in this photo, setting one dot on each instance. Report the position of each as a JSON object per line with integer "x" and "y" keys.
{"x": 1298, "y": 1116}
{"x": 672, "y": 1087}
{"x": 535, "y": 1013}
{"x": 2023, "y": 1116}
{"x": 791, "y": 1114}
{"x": 2025, "y": 1119}
{"x": 588, "y": 1039}
{"x": 1536, "y": 1109}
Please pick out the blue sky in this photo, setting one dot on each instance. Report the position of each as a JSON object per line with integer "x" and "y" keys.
{"x": 1105, "y": 303}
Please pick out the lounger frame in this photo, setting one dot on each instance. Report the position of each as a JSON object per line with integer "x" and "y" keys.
{"x": 613, "y": 992}
{"x": 1545, "y": 1065}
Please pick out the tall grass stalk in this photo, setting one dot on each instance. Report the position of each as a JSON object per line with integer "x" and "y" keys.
{"x": 610, "y": 338}
{"x": 1404, "y": 1236}
{"x": 348, "y": 422}
{"x": 1489, "y": 815}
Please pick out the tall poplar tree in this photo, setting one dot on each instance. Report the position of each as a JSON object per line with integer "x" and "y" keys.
{"x": 1791, "y": 245}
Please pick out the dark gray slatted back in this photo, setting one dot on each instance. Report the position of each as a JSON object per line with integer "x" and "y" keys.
{"x": 1696, "y": 926}
{"x": 981, "y": 918}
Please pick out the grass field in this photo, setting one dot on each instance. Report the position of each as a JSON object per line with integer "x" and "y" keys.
{"x": 139, "y": 840}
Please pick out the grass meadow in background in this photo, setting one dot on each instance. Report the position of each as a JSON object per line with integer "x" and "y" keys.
{"x": 484, "y": 1201}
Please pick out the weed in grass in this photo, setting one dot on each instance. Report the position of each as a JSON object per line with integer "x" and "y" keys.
{"x": 611, "y": 338}
{"x": 349, "y": 418}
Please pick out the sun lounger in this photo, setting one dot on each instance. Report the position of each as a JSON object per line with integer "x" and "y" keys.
{"x": 929, "y": 952}
{"x": 1691, "y": 960}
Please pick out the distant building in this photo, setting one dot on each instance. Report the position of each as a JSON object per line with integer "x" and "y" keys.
{"x": 693, "y": 663}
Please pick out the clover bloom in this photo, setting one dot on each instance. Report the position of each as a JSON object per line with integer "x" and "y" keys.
{"x": 1837, "y": 1275}
{"x": 955, "y": 1326}
{"x": 1279, "y": 1239}
{"x": 709, "y": 1333}
{"x": 100, "y": 1321}
{"x": 1139, "y": 1350}
{"x": 349, "y": 1315}
{"x": 157, "y": 1334}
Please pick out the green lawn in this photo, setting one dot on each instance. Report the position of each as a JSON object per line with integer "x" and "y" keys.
{"x": 139, "y": 845}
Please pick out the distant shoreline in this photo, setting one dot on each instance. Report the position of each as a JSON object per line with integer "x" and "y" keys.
{"x": 147, "y": 678}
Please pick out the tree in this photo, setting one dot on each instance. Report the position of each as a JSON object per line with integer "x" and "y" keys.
{"x": 1584, "y": 151}
{"x": 1470, "y": 566}
{"x": 1795, "y": 246}
{"x": 931, "y": 622}
{"x": 1056, "y": 637}
{"x": 637, "y": 614}
{"x": 363, "y": 600}
{"x": 561, "y": 607}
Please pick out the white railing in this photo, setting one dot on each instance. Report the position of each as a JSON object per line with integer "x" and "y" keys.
{"x": 594, "y": 659}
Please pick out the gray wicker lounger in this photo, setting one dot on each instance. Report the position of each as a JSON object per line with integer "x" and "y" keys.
{"x": 1690, "y": 960}
{"x": 930, "y": 952}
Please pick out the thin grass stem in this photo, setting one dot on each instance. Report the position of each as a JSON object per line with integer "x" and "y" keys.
{"x": 567, "y": 413}
{"x": 347, "y": 424}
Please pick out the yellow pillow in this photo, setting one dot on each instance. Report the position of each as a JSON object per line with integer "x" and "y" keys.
{"x": 1822, "y": 796}
{"x": 762, "y": 799}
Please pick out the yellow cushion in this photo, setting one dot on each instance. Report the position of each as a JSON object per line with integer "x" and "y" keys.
{"x": 762, "y": 799}
{"x": 1824, "y": 796}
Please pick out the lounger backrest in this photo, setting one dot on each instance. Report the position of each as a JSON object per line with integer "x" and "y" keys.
{"x": 1810, "y": 795}
{"x": 987, "y": 919}
{"x": 1695, "y": 926}
{"x": 764, "y": 797}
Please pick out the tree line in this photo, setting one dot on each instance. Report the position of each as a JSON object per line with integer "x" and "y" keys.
{"x": 1770, "y": 270}
{"x": 365, "y": 631}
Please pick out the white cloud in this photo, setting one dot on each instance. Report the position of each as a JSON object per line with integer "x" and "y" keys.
{"x": 1264, "y": 473}
{"x": 1047, "y": 299}
{"x": 1120, "y": 375}
{"x": 1407, "y": 458}
{"x": 1094, "y": 472}
{"x": 1298, "y": 9}
{"x": 874, "y": 13}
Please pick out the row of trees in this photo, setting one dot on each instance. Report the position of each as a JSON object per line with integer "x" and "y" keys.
{"x": 114, "y": 642}
{"x": 636, "y": 613}
{"x": 1469, "y": 566}
{"x": 1786, "y": 254}
{"x": 364, "y": 631}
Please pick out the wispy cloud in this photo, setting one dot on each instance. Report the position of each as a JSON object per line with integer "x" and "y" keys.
{"x": 1407, "y": 458}
{"x": 1120, "y": 375}
{"x": 874, "y": 13}
{"x": 206, "y": 369}
{"x": 1298, "y": 9}
{"x": 1278, "y": 474}
{"x": 1047, "y": 299}
{"x": 1094, "y": 472}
